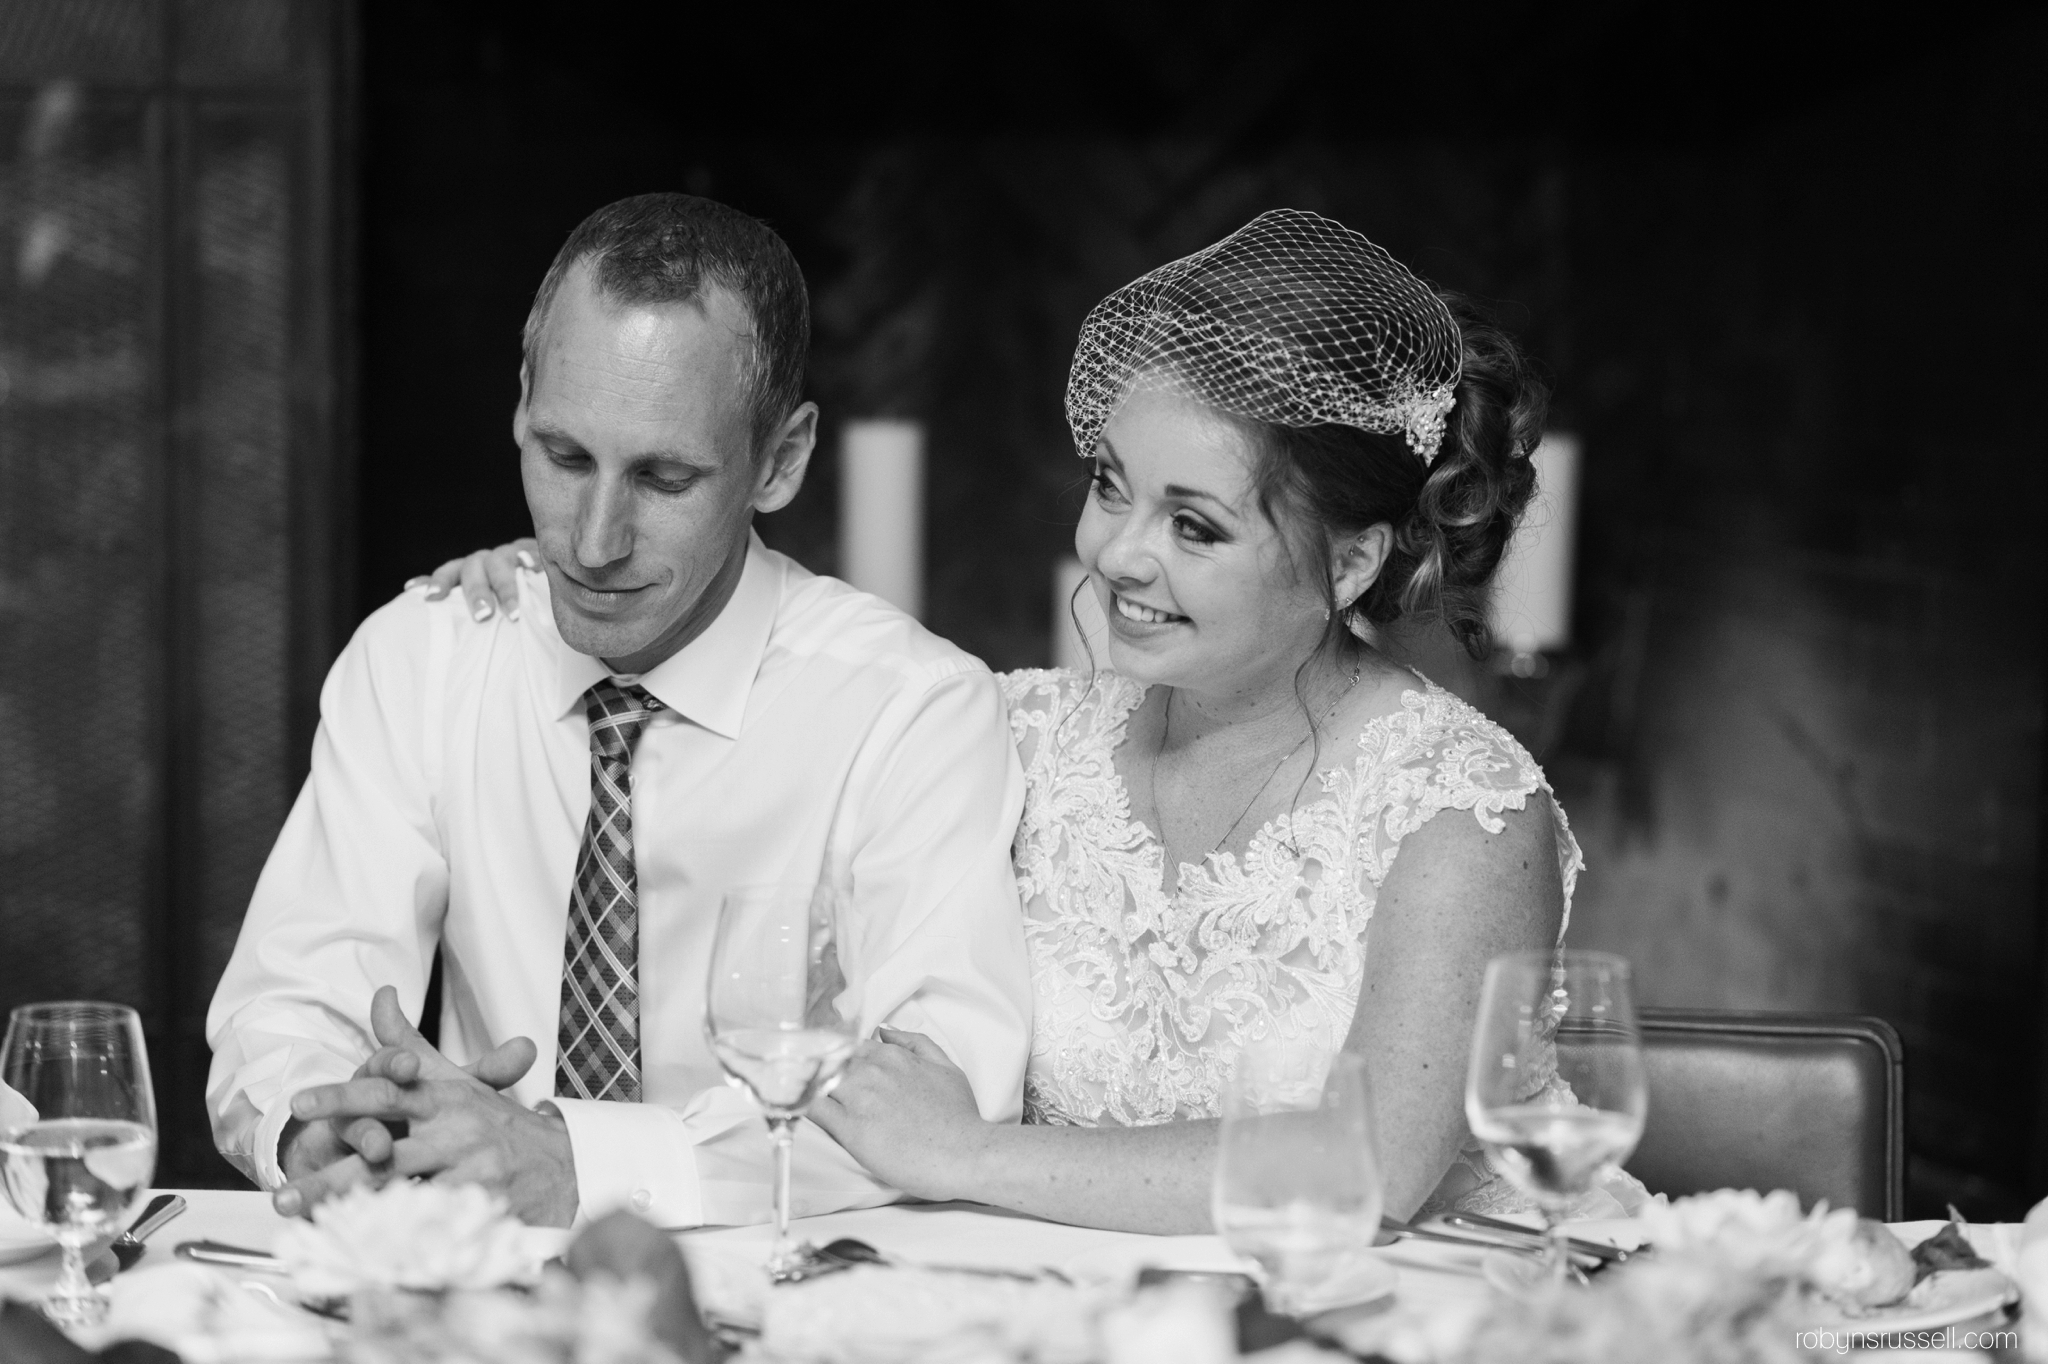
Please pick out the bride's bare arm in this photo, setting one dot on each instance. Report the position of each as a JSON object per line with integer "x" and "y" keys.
{"x": 905, "y": 1111}
{"x": 1456, "y": 897}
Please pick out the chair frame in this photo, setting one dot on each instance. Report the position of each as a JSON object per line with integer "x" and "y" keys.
{"x": 1859, "y": 1027}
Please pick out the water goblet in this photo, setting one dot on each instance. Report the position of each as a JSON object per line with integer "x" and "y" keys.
{"x": 1298, "y": 1178}
{"x": 79, "y": 1166}
{"x": 772, "y": 1019}
{"x": 1555, "y": 1088}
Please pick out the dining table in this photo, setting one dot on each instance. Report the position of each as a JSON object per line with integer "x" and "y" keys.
{"x": 1434, "y": 1282}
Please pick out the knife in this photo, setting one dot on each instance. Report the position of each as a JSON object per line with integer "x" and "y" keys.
{"x": 127, "y": 1248}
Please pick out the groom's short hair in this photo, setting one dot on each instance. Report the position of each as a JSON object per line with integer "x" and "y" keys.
{"x": 665, "y": 248}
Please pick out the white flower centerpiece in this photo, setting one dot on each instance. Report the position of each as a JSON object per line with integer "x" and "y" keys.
{"x": 429, "y": 1238}
{"x": 601, "y": 1321}
{"x": 1736, "y": 1276}
{"x": 444, "y": 1274}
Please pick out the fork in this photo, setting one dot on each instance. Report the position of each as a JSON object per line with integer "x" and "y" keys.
{"x": 1599, "y": 1250}
{"x": 1482, "y": 1238}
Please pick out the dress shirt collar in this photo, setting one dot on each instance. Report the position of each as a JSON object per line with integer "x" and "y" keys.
{"x": 707, "y": 680}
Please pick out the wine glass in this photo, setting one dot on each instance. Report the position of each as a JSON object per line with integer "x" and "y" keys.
{"x": 772, "y": 1018}
{"x": 1555, "y": 1088}
{"x": 1298, "y": 1180}
{"x": 79, "y": 1166}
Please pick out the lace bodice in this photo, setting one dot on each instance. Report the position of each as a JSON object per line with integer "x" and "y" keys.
{"x": 1144, "y": 998}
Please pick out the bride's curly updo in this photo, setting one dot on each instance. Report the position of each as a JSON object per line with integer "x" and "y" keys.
{"x": 1451, "y": 518}
{"x": 1369, "y": 397}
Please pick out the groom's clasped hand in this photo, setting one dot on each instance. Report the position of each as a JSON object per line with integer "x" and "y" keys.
{"x": 904, "y": 1110}
{"x": 409, "y": 1111}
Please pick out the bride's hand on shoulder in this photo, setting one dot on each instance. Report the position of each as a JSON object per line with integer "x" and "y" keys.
{"x": 489, "y": 578}
{"x": 908, "y": 1114}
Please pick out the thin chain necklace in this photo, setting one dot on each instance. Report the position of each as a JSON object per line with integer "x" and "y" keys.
{"x": 1165, "y": 728}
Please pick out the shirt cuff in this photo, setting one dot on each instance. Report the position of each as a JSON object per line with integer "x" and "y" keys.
{"x": 269, "y": 1129}
{"x": 633, "y": 1156}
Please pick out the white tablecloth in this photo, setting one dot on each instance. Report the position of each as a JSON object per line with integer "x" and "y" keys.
{"x": 241, "y": 1218}
{"x": 1433, "y": 1279}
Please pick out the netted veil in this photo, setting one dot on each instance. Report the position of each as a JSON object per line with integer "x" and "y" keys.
{"x": 1293, "y": 319}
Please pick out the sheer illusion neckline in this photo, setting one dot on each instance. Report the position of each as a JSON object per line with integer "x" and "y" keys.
{"x": 1220, "y": 865}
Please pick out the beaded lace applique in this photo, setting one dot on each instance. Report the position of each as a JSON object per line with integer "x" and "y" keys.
{"x": 1144, "y": 998}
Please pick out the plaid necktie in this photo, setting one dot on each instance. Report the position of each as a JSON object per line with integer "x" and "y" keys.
{"x": 598, "y": 1056}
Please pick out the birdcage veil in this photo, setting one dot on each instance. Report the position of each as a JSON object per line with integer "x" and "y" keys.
{"x": 1293, "y": 319}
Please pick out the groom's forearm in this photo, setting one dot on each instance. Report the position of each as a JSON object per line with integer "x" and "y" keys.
{"x": 1150, "y": 1179}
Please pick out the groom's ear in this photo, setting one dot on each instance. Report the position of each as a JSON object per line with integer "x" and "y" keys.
{"x": 784, "y": 458}
{"x": 519, "y": 412}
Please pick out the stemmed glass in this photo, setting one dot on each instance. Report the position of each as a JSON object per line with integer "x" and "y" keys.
{"x": 1555, "y": 1088}
{"x": 1298, "y": 1180}
{"x": 772, "y": 1018}
{"x": 78, "y": 1168}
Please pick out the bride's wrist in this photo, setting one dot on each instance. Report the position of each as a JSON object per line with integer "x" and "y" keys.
{"x": 975, "y": 1163}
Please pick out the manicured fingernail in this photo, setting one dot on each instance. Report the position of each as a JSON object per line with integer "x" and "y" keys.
{"x": 526, "y": 562}
{"x": 411, "y": 583}
{"x": 511, "y": 613}
{"x": 482, "y": 610}
{"x": 288, "y": 1202}
{"x": 302, "y": 1105}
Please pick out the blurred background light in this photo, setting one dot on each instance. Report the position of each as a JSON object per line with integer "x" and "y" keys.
{"x": 1532, "y": 597}
{"x": 881, "y": 510}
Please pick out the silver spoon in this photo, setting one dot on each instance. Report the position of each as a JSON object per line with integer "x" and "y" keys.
{"x": 234, "y": 1257}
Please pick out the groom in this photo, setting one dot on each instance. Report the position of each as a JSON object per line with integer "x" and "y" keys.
{"x": 557, "y": 798}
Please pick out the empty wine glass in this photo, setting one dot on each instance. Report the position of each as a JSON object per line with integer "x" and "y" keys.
{"x": 1555, "y": 1088}
{"x": 772, "y": 1018}
{"x": 79, "y": 1166}
{"x": 1298, "y": 1180}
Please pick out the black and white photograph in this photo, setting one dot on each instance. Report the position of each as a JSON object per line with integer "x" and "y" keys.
{"x": 1116, "y": 684}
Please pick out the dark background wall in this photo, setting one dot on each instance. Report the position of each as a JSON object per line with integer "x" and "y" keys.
{"x": 1789, "y": 291}
{"x": 174, "y": 530}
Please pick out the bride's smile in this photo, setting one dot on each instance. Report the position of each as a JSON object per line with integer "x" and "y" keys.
{"x": 1145, "y": 615}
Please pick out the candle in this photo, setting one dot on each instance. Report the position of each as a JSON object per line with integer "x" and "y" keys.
{"x": 881, "y": 510}
{"x": 1532, "y": 596}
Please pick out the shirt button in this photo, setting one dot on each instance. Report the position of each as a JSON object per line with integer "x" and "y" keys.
{"x": 641, "y": 1198}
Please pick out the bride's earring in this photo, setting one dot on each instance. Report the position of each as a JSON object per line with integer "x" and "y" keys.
{"x": 1360, "y": 628}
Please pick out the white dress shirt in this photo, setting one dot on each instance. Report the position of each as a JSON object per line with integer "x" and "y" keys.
{"x": 814, "y": 731}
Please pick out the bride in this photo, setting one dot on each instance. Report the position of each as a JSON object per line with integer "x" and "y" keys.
{"x": 1249, "y": 822}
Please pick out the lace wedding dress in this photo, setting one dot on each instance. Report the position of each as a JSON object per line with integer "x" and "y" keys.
{"x": 1144, "y": 998}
